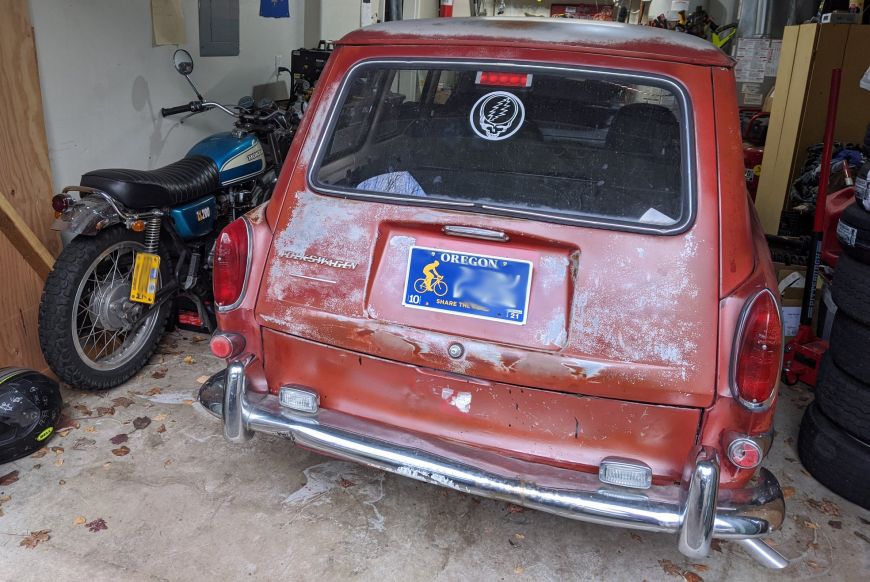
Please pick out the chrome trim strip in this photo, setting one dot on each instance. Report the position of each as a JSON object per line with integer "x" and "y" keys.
{"x": 474, "y": 232}
{"x": 250, "y": 231}
{"x": 735, "y": 346}
{"x": 702, "y": 513}
{"x": 687, "y": 146}
{"x": 767, "y": 556}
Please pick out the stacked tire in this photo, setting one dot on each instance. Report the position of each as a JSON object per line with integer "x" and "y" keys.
{"x": 834, "y": 439}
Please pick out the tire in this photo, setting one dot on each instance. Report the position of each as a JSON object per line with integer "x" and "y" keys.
{"x": 63, "y": 349}
{"x": 843, "y": 399}
{"x": 850, "y": 346}
{"x": 851, "y": 289}
{"x": 30, "y": 405}
{"x": 853, "y": 232}
{"x": 835, "y": 458}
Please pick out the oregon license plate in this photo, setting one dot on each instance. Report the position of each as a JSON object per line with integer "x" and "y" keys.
{"x": 146, "y": 274}
{"x": 468, "y": 284}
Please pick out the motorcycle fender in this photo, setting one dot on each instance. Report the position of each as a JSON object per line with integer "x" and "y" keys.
{"x": 88, "y": 216}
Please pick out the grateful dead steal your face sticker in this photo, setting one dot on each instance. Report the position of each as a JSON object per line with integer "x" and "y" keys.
{"x": 497, "y": 116}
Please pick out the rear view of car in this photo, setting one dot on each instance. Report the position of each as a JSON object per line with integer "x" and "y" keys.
{"x": 498, "y": 260}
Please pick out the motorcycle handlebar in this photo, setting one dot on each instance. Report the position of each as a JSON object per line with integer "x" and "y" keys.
{"x": 191, "y": 107}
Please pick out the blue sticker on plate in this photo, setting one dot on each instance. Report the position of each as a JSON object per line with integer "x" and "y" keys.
{"x": 468, "y": 284}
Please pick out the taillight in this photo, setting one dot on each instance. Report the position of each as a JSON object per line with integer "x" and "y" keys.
{"x": 226, "y": 345}
{"x": 231, "y": 264}
{"x": 745, "y": 453}
{"x": 61, "y": 202}
{"x": 758, "y": 356}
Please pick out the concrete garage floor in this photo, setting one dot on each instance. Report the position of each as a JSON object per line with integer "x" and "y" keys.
{"x": 183, "y": 504}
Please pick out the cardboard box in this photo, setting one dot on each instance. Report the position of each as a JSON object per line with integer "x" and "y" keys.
{"x": 791, "y": 290}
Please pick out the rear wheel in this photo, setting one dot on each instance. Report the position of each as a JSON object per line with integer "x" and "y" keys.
{"x": 85, "y": 315}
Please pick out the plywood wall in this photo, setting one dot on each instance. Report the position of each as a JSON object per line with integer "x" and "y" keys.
{"x": 25, "y": 179}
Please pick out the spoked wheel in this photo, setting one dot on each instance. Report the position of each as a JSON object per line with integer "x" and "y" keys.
{"x": 88, "y": 327}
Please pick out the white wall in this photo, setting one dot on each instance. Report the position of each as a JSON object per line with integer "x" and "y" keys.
{"x": 103, "y": 84}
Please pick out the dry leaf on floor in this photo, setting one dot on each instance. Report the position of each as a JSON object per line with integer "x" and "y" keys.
{"x": 97, "y": 525}
{"x": 199, "y": 338}
{"x": 121, "y": 451}
{"x": 80, "y": 520}
{"x": 202, "y": 379}
{"x": 513, "y": 508}
{"x": 9, "y": 478}
{"x": 519, "y": 569}
{"x": 159, "y": 418}
{"x": 63, "y": 433}
{"x": 3, "y": 499}
{"x": 690, "y": 576}
{"x": 58, "y": 462}
{"x": 119, "y": 439}
{"x": 788, "y": 492}
{"x": 188, "y": 402}
{"x": 636, "y": 537}
{"x": 813, "y": 564}
{"x": 122, "y": 401}
{"x": 519, "y": 536}
{"x": 107, "y": 464}
{"x": 90, "y": 429}
{"x": 153, "y": 392}
{"x": 716, "y": 545}
{"x": 836, "y": 524}
{"x": 189, "y": 360}
{"x": 141, "y": 422}
{"x": 62, "y": 482}
{"x": 83, "y": 443}
{"x": 35, "y": 538}
{"x": 345, "y": 483}
{"x": 105, "y": 410}
{"x": 158, "y": 374}
{"x": 65, "y": 423}
{"x": 167, "y": 462}
{"x": 40, "y": 453}
{"x": 826, "y": 506}
{"x": 83, "y": 410}
{"x": 670, "y": 568}
{"x": 161, "y": 428}
{"x": 700, "y": 567}
{"x": 57, "y": 450}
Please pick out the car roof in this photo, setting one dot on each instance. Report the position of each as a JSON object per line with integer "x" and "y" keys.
{"x": 611, "y": 38}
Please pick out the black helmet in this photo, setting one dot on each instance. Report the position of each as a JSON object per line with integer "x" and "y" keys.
{"x": 29, "y": 406}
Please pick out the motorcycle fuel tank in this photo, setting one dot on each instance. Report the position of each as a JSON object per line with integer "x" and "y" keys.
{"x": 237, "y": 158}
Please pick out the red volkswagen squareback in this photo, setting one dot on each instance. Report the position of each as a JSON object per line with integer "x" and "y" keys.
{"x": 516, "y": 258}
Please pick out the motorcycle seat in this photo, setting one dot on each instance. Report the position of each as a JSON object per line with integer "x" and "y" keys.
{"x": 177, "y": 183}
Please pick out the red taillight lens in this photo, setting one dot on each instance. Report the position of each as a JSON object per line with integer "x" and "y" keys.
{"x": 745, "y": 453}
{"x": 227, "y": 345}
{"x": 759, "y": 351}
{"x": 61, "y": 202}
{"x": 231, "y": 255}
{"x": 503, "y": 79}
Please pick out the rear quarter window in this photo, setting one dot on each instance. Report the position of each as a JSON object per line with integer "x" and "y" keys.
{"x": 553, "y": 144}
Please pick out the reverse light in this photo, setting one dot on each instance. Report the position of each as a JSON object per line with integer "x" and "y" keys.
{"x": 758, "y": 356}
{"x": 745, "y": 453}
{"x": 625, "y": 473}
{"x": 61, "y": 202}
{"x": 503, "y": 79}
{"x": 232, "y": 255}
{"x": 226, "y": 345}
{"x": 299, "y": 399}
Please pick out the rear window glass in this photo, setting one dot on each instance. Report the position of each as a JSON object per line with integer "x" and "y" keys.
{"x": 573, "y": 145}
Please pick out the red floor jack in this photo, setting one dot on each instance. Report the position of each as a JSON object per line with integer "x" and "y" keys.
{"x": 803, "y": 354}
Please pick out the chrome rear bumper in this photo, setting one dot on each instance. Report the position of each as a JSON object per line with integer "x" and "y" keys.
{"x": 697, "y": 510}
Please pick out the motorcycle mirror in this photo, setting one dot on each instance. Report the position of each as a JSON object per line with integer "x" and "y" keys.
{"x": 183, "y": 62}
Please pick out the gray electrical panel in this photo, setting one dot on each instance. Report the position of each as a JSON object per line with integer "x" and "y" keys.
{"x": 218, "y": 28}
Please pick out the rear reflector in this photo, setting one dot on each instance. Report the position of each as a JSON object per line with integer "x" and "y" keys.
{"x": 745, "y": 453}
{"x": 502, "y": 79}
{"x": 299, "y": 399}
{"x": 758, "y": 357}
{"x": 226, "y": 345}
{"x": 231, "y": 264}
{"x": 625, "y": 473}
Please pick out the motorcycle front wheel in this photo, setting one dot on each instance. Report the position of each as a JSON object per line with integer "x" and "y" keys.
{"x": 85, "y": 312}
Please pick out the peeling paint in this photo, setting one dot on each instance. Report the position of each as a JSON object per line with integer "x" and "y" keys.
{"x": 461, "y": 400}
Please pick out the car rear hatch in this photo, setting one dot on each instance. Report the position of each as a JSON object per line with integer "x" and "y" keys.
{"x": 540, "y": 229}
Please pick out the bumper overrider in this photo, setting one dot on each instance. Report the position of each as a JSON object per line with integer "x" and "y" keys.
{"x": 696, "y": 510}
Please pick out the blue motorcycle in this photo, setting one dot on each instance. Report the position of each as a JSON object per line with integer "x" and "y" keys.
{"x": 138, "y": 242}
